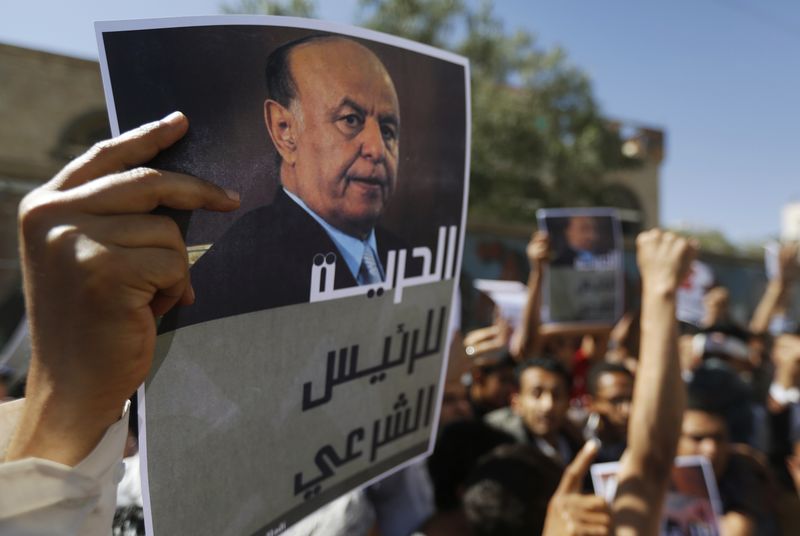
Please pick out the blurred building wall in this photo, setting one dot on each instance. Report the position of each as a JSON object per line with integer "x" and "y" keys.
{"x": 52, "y": 108}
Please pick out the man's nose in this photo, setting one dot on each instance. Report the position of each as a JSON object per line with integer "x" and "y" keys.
{"x": 709, "y": 448}
{"x": 546, "y": 401}
{"x": 625, "y": 410}
{"x": 372, "y": 145}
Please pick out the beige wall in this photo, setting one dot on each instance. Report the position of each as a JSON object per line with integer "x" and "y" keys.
{"x": 42, "y": 98}
{"x": 644, "y": 183}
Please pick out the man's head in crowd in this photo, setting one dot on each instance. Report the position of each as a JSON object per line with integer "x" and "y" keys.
{"x": 543, "y": 397}
{"x": 333, "y": 115}
{"x": 713, "y": 395}
{"x": 581, "y": 233}
{"x": 716, "y": 388}
{"x": 508, "y": 492}
{"x": 459, "y": 446}
{"x": 493, "y": 383}
{"x": 610, "y": 389}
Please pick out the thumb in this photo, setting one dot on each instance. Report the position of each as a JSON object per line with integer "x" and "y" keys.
{"x": 572, "y": 479}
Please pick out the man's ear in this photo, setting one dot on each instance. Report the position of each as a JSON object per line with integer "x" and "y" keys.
{"x": 516, "y": 403}
{"x": 281, "y": 126}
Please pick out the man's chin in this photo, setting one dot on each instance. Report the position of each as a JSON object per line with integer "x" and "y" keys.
{"x": 359, "y": 223}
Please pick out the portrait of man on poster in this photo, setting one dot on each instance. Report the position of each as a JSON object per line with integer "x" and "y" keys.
{"x": 333, "y": 116}
{"x": 582, "y": 242}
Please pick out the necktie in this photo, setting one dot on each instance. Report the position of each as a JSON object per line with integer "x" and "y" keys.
{"x": 369, "y": 273}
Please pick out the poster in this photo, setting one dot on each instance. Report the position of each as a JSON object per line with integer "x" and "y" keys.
{"x": 312, "y": 361}
{"x": 584, "y": 281}
{"x": 690, "y": 297}
{"x": 692, "y": 506}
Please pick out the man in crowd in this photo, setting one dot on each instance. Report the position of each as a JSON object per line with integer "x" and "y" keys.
{"x": 610, "y": 388}
{"x": 491, "y": 380}
{"x": 743, "y": 491}
{"x": 334, "y": 119}
{"x": 500, "y": 485}
{"x": 538, "y": 411}
{"x": 493, "y": 383}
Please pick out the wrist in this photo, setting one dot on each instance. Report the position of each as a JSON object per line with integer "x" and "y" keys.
{"x": 658, "y": 290}
{"x": 56, "y": 428}
{"x": 535, "y": 273}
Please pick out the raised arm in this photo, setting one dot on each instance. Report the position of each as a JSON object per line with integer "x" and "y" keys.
{"x": 659, "y": 395}
{"x": 777, "y": 289}
{"x": 491, "y": 341}
{"x": 98, "y": 267}
{"x": 526, "y": 338}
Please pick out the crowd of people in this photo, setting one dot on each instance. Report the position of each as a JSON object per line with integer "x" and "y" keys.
{"x": 524, "y": 415}
{"x": 553, "y": 390}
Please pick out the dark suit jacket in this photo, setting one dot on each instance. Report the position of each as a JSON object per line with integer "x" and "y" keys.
{"x": 263, "y": 261}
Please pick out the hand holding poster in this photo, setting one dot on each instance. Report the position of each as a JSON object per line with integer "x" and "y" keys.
{"x": 584, "y": 282}
{"x": 509, "y": 297}
{"x": 312, "y": 360}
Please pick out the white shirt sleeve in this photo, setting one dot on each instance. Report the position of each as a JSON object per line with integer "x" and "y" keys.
{"x": 44, "y": 497}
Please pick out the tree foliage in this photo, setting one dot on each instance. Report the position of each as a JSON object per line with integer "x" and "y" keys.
{"x": 538, "y": 139}
{"x": 295, "y": 8}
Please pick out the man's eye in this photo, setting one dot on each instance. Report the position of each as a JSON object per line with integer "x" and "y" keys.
{"x": 388, "y": 132}
{"x": 352, "y": 120}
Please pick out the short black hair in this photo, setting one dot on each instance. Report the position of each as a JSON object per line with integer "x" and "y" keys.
{"x": 550, "y": 364}
{"x": 729, "y": 329}
{"x": 504, "y": 362}
{"x": 508, "y": 491}
{"x": 687, "y": 328}
{"x": 716, "y": 389}
{"x": 604, "y": 367}
{"x": 281, "y": 86}
{"x": 459, "y": 446}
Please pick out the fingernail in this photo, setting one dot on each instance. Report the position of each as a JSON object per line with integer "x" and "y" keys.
{"x": 593, "y": 444}
{"x": 232, "y": 194}
{"x": 174, "y": 118}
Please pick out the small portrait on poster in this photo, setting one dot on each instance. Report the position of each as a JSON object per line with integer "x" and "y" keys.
{"x": 692, "y": 505}
{"x": 582, "y": 241}
{"x": 691, "y": 294}
{"x": 327, "y": 138}
{"x": 584, "y": 283}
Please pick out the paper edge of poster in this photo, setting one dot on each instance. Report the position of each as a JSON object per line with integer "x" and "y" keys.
{"x": 278, "y": 21}
{"x": 141, "y": 412}
{"x": 106, "y": 79}
{"x": 455, "y": 298}
{"x": 708, "y": 476}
